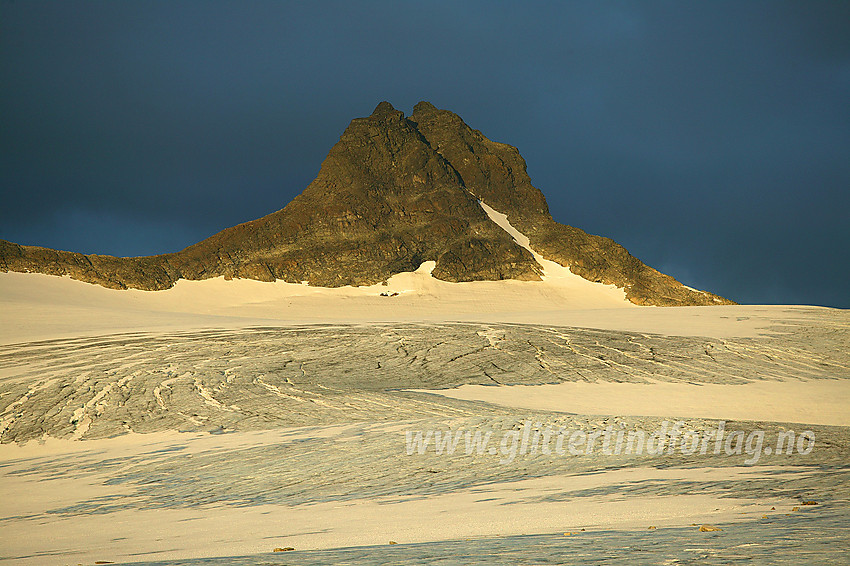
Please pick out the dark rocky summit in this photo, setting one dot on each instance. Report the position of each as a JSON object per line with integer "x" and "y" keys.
{"x": 392, "y": 193}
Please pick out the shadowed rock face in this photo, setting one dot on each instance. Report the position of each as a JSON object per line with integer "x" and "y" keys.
{"x": 392, "y": 193}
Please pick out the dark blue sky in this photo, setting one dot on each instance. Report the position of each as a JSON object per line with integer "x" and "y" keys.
{"x": 712, "y": 139}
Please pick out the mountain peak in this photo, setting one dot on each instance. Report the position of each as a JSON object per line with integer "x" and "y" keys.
{"x": 392, "y": 194}
{"x": 384, "y": 109}
{"x": 424, "y": 107}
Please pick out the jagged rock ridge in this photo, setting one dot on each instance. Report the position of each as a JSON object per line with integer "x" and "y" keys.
{"x": 392, "y": 193}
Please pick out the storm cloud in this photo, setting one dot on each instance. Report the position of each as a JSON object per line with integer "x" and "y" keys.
{"x": 711, "y": 139}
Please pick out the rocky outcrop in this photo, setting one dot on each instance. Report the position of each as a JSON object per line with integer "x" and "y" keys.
{"x": 392, "y": 193}
{"x": 496, "y": 173}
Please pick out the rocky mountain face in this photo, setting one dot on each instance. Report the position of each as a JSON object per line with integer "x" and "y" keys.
{"x": 392, "y": 193}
